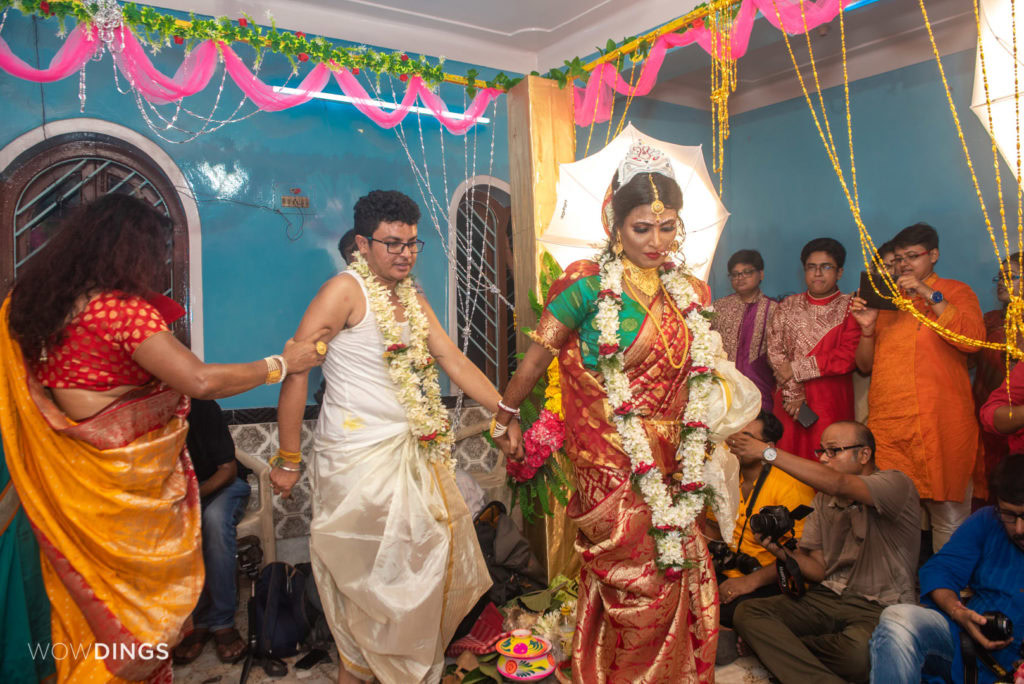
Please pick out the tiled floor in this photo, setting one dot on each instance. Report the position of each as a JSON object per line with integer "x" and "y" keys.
{"x": 208, "y": 670}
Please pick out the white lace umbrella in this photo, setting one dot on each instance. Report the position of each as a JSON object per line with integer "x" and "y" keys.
{"x": 996, "y": 39}
{"x": 575, "y": 230}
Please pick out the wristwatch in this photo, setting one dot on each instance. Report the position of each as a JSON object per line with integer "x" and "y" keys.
{"x": 936, "y": 297}
{"x": 769, "y": 454}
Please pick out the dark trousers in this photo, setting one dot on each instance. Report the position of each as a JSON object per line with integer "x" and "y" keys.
{"x": 821, "y": 638}
{"x": 727, "y": 611}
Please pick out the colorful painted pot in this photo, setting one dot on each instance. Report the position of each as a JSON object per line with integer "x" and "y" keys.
{"x": 522, "y": 644}
{"x": 524, "y": 657}
{"x": 527, "y": 669}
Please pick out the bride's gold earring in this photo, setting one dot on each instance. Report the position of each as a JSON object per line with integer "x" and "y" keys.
{"x": 674, "y": 246}
{"x": 617, "y": 247}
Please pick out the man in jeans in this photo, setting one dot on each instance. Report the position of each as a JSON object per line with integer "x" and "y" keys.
{"x": 860, "y": 545}
{"x": 223, "y": 492}
{"x": 986, "y": 554}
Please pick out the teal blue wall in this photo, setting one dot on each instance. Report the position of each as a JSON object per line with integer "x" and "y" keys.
{"x": 782, "y": 191}
{"x": 256, "y": 281}
{"x": 780, "y": 188}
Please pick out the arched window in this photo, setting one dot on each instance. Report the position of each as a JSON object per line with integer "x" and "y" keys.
{"x": 47, "y": 181}
{"x": 481, "y": 229}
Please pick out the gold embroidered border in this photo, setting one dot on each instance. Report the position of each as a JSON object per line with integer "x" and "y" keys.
{"x": 535, "y": 336}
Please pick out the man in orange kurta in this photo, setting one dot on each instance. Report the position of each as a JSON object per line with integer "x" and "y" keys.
{"x": 920, "y": 406}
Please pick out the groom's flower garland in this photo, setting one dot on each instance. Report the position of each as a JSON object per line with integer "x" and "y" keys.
{"x": 411, "y": 367}
{"x": 671, "y": 513}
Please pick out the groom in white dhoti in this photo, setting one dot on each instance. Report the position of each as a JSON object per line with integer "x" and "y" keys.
{"x": 393, "y": 548}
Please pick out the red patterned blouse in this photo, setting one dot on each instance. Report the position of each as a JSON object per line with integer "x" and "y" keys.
{"x": 96, "y": 353}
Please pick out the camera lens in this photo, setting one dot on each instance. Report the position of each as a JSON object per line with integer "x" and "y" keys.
{"x": 747, "y": 563}
{"x": 999, "y": 627}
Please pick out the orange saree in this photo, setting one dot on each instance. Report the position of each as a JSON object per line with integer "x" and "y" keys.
{"x": 114, "y": 505}
{"x": 633, "y": 624}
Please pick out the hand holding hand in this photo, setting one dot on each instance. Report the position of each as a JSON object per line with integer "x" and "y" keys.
{"x": 511, "y": 443}
{"x": 282, "y": 481}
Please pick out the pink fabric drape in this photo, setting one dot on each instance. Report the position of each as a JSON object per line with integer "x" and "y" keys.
{"x": 76, "y": 51}
{"x": 592, "y": 104}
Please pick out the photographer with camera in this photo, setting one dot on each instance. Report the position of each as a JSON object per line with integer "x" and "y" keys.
{"x": 985, "y": 555}
{"x": 859, "y": 545}
{"x": 745, "y": 569}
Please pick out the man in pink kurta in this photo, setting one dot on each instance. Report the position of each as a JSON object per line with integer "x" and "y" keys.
{"x": 811, "y": 345}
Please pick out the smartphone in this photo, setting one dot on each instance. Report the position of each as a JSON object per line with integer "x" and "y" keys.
{"x": 872, "y": 298}
{"x": 805, "y": 416}
{"x": 310, "y": 659}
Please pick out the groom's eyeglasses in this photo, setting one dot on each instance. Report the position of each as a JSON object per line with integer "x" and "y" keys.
{"x": 396, "y": 247}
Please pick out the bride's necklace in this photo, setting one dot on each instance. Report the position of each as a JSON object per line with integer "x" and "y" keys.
{"x": 647, "y": 280}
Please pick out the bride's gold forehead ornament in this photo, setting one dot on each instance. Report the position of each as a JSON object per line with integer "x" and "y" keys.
{"x": 643, "y": 158}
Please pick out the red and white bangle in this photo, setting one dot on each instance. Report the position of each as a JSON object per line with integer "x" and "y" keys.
{"x": 508, "y": 409}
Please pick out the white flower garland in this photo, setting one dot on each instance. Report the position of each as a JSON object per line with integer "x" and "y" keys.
{"x": 670, "y": 513}
{"x": 411, "y": 367}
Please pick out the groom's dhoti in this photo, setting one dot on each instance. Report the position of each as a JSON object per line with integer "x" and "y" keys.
{"x": 395, "y": 557}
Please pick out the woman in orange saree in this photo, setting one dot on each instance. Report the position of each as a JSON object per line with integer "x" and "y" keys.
{"x": 93, "y": 404}
{"x": 629, "y": 325}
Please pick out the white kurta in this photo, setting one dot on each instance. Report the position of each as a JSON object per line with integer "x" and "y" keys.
{"x": 392, "y": 543}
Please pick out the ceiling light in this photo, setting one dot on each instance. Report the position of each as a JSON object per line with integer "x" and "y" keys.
{"x": 376, "y": 103}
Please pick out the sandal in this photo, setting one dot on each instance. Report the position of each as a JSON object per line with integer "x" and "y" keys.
{"x": 191, "y": 647}
{"x": 230, "y": 647}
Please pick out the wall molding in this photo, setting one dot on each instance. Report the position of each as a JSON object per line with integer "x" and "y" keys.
{"x": 51, "y": 129}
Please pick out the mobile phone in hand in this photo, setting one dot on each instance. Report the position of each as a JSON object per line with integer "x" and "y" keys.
{"x": 805, "y": 416}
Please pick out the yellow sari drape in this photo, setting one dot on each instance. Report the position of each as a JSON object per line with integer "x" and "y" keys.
{"x": 114, "y": 504}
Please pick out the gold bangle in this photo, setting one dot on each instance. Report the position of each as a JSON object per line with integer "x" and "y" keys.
{"x": 497, "y": 429}
{"x": 279, "y": 462}
{"x": 290, "y": 456}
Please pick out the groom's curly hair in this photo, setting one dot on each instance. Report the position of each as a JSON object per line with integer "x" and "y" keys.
{"x": 383, "y": 206}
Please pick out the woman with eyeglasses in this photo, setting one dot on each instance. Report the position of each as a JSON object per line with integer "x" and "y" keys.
{"x": 990, "y": 368}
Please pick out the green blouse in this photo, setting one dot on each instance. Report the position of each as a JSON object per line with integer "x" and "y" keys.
{"x": 576, "y": 308}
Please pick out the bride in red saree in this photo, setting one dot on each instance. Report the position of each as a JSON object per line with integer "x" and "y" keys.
{"x": 648, "y": 604}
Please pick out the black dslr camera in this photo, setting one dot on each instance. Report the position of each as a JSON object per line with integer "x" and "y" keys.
{"x": 725, "y": 558}
{"x": 775, "y": 522}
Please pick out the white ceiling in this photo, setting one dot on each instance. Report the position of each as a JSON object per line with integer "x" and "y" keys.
{"x": 511, "y": 35}
{"x": 525, "y": 35}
